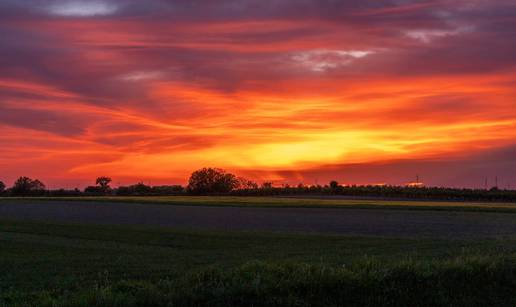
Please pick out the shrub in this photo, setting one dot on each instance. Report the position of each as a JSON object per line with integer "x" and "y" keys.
{"x": 25, "y": 186}
{"x": 461, "y": 282}
{"x": 211, "y": 181}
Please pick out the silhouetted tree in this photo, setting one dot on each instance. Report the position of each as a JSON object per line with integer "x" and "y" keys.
{"x": 211, "y": 181}
{"x": 334, "y": 185}
{"x": 137, "y": 189}
{"x": 24, "y": 186}
{"x": 94, "y": 191}
{"x": 102, "y": 187}
{"x": 63, "y": 192}
{"x": 168, "y": 190}
{"x": 2, "y": 187}
{"x": 141, "y": 189}
{"x": 104, "y": 182}
{"x": 246, "y": 184}
{"x": 267, "y": 185}
{"x": 386, "y": 191}
{"x": 123, "y": 191}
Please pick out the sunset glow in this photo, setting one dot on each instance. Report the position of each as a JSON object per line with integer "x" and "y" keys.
{"x": 293, "y": 91}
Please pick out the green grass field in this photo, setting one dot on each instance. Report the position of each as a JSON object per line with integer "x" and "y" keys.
{"x": 49, "y": 264}
{"x": 53, "y": 264}
{"x": 290, "y": 202}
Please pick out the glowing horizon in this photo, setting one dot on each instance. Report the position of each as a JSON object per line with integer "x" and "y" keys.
{"x": 295, "y": 91}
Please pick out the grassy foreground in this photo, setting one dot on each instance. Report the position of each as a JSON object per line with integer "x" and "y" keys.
{"x": 234, "y": 201}
{"x": 45, "y": 264}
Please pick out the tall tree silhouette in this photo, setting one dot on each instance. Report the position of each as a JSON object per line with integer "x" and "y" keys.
{"x": 104, "y": 182}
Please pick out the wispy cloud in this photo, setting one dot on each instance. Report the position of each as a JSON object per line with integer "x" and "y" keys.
{"x": 82, "y": 8}
{"x": 323, "y": 60}
{"x": 142, "y": 76}
{"x": 427, "y": 36}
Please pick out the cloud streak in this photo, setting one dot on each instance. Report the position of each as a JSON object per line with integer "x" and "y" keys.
{"x": 82, "y": 8}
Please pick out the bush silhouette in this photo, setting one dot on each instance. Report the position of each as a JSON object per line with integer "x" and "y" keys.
{"x": 211, "y": 181}
{"x": 104, "y": 182}
{"x": 24, "y": 186}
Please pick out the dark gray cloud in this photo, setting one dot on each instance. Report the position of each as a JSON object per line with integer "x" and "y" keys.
{"x": 40, "y": 120}
{"x": 110, "y": 52}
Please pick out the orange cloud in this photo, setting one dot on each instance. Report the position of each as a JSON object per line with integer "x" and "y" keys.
{"x": 273, "y": 97}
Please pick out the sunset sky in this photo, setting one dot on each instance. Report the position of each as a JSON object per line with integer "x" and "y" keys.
{"x": 359, "y": 91}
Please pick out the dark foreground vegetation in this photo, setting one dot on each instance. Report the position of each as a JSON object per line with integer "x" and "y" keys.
{"x": 463, "y": 282}
{"x": 72, "y": 265}
{"x": 212, "y": 181}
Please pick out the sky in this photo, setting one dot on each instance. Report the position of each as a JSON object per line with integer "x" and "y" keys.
{"x": 294, "y": 91}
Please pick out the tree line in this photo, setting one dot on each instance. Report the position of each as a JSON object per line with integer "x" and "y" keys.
{"x": 214, "y": 181}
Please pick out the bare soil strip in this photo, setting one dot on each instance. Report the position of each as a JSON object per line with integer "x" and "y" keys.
{"x": 376, "y": 222}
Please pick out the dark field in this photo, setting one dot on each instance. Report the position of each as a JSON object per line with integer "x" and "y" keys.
{"x": 79, "y": 265}
{"x": 285, "y": 202}
{"x": 348, "y": 220}
{"x": 54, "y": 263}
